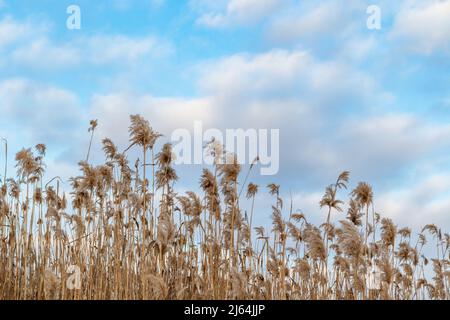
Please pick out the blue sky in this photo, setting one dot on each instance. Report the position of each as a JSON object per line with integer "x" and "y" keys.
{"x": 375, "y": 102}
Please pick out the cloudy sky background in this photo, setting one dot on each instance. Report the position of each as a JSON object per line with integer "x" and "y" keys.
{"x": 374, "y": 102}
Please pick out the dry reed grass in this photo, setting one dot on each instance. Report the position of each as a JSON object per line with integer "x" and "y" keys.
{"x": 129, "y": 243}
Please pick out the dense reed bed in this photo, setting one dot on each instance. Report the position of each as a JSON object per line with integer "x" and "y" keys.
{"x": 126, "y": 232}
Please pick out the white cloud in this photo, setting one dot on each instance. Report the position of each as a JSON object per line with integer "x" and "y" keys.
{"x": 164, "y": 114}
{"x": 29, "y": 44}
{"x": 308, "y": 203}
{"x": 93, "y": 50}
{"x": 103, "y": 49}
{"x": 424, "y": 26}
{"x": 12, "y": 31}
{"x": 240, "y": 12}
{"x": 38, "y": 111}
{"x": 425, "y": 201}
{"x": 382, "y": 146}
{"x": 43, "y": 54}
{"x": 299, "y": 22}
{"x": 357, "y": 49}
{"x": 333, "y": 29}
{"x": 282, "y": 73}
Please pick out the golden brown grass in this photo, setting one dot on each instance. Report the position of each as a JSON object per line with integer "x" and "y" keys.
{"x": 129, "y": 243}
